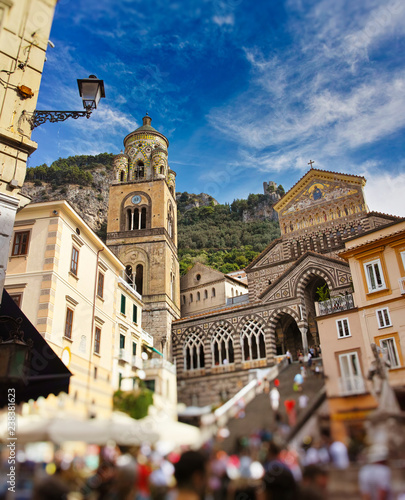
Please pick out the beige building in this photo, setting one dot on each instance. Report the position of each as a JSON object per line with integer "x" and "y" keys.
{"x": 69, "y": 284}
{"x": 374, "y": 313}
{"x": 204, "y": 288}
{"x": 24, "y": 32}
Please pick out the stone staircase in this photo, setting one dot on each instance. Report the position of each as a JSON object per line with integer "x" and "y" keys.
{"x": 258, "y": 413}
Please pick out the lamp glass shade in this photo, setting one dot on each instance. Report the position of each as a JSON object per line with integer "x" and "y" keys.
{"x": 14, "y": 361}
{"x": 91, "y": 91}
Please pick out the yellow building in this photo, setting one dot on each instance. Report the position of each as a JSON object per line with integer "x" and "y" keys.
{"x": 69, "y": 284}
{"x": 349, "y": 324}
{"x": 24, "y": 34}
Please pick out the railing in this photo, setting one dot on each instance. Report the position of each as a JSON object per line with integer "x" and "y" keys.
{"x": 352, "y": 385}
{"x": 123, "y": 355}
{"x": 239, "y": 299}
{"x": 147, "y": 337}
{"x": 129, "y": 287}
{"x": 137, "y": 362}
{"x": 156, "y": 363}
{"x": 336, "y": 304}
{"x": 401, "y": 282}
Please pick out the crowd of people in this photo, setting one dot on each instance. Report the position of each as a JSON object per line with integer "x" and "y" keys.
{"x": 260, "y": 470}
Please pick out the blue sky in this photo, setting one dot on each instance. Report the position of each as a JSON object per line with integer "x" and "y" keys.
{"x": 245, "y": 91}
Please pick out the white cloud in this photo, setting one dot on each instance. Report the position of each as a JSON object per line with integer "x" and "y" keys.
{"x": 385, "y": 193}
{"x": 224, "y": 20}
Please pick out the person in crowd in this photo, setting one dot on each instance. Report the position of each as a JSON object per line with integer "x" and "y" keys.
{"x": 278, "y": 480}
{"x": 375, "y": 477}
{"x": 289, "y": 357}
{"x": 314, "y": 483}
{"x": 339, "y": 456}
{"x": 191, "y": 476}
{"x": 274, "y": 399}
{"x": 124, "y": 479}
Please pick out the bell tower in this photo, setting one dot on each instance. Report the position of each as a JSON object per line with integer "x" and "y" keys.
{"x": 142, "y": 228}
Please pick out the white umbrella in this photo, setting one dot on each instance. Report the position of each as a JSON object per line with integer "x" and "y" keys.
{"x": 120, "y": 428}
{"x": 172, "y": 434}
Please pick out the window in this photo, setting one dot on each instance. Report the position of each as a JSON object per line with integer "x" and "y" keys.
{"x": 74, "y": 261}
{"x": 198, "y": 296}
{"x": 191, "y": 298}
{"x": 222, "y": 345}
{"x": 100, "y": 285}
{"x": 122, "y": 341}
{"x": 17, "y": 297}
{"x": 252, "y": 340}
{"x": 134, "y": 313}
{"x": 97, "y": 338}
{"x": 123, "y": 304}
{"x": 95, "y": 372}
{"x": 20, "y": 245}
{"x": 205, "y": 294}
{"x": 351, "y": 377}
{"x": 194, "y": 352}
{"x": 403, "y": 259}
{"x": 150, "y": 384}
{"x": 383, "y": 317}
{"x": 391, "y": 349}
{"x": 213, "y": 292}
{"x": 133, "y": 348}
{"x": 343, "y": 328}
{"x": 374, "y": 275}
{"x": 69, "y": 323}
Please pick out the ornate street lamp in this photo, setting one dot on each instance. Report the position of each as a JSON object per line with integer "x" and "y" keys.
{"x": 15, "y": 354}
{"x": 91, "y": 90}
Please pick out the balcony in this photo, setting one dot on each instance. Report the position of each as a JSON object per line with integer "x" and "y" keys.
{"x": 159, "y": 363}
{"x": 123, "y": 356}
{"x": 335, "y": 304}
{"x": 401, "y": 282}
{"x": 137, "y": 362}
{"x": 147, "y": 337}
{"x": 350, "y": 386}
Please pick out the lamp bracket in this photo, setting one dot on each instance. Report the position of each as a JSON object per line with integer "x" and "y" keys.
{"x": 40, "y": 117}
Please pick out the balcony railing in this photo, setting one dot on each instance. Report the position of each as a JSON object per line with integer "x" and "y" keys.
{"x": 147, "y": 337}
{"x": 156, "y": 363}
{"x": 123, "y": 355}
{"x": 336, "y": 304}
{"x": 352, "y": 385}
{"x": 401, "y": 282}
{"x": 137, "y": 362}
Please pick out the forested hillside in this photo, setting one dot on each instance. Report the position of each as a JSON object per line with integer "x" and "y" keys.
{"x": 214, "y": 234}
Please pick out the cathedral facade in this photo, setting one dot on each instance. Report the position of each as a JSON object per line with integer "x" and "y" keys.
{"x": 215, "y": 348}
{"x": 320, "y": 212}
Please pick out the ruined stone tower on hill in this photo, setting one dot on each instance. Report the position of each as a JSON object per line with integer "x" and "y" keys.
{"x": 142, "y": 228}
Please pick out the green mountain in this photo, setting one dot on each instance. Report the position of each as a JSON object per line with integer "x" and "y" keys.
{"x": 225, "y": 237}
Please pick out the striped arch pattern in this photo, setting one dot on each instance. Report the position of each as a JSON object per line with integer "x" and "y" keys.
{"x": 304, "y": 279}
{"x": 276, "y": 315}
{"x": 222, "y": 344}
{"x": 254, "y": 336}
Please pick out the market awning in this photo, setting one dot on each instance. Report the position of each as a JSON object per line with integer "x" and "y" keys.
{"x": 47, "y": 374}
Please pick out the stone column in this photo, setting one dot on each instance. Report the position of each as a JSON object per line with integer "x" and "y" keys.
{"x": 8, "y": 209}
{"x": 303, "y": 330}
